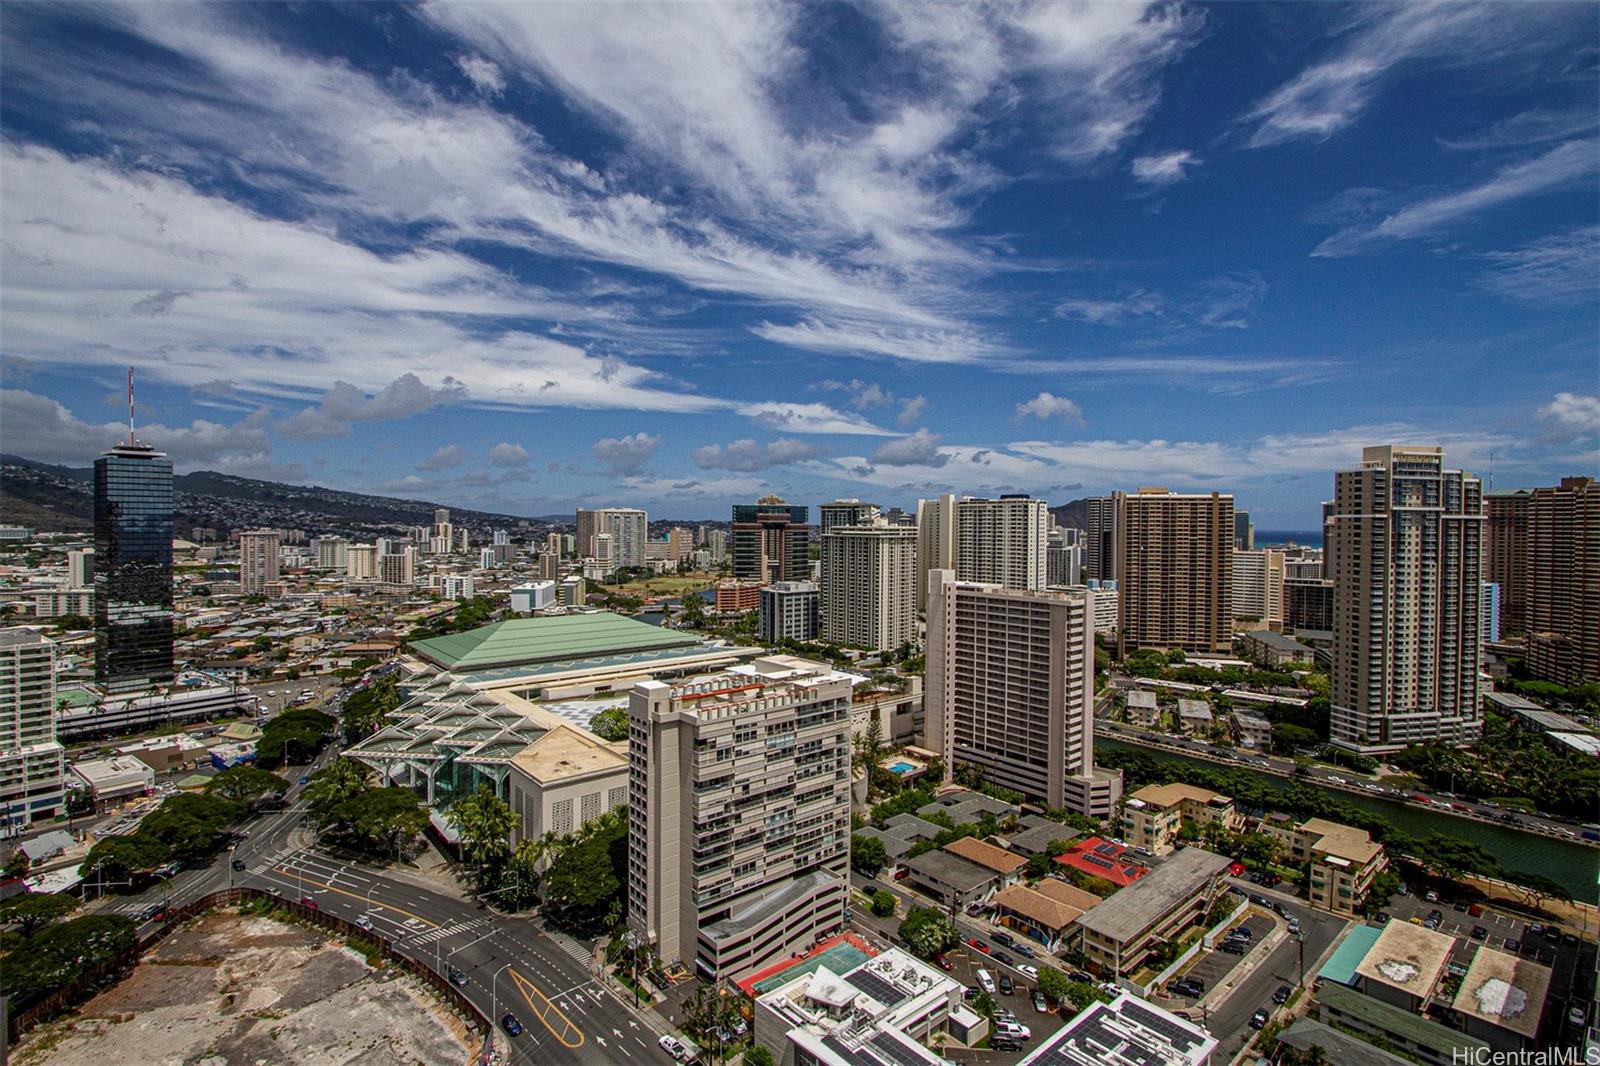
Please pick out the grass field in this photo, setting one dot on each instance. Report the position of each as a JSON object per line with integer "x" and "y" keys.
{"x": 663, "y": 586}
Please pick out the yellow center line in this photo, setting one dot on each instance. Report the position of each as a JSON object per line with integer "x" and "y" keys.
{"x": 356, "y": 895}
{"x": 567, "y": 1029}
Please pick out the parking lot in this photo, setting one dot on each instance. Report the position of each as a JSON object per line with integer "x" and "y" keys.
{"x": 1213, "y": 967}
{"x": 965, "y": 962}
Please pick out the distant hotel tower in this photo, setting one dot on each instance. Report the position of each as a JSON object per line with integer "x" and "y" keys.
{"x": 132, "y": 567}
{"x": 771, "y": 541}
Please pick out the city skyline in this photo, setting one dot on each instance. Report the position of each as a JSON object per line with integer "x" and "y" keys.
{"x": 428, "y": 252}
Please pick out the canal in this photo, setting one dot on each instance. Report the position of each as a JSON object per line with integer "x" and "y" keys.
{"x": 1572, "y": 866}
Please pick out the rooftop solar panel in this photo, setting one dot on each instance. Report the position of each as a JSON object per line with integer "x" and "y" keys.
{"x": 883, "y": 991}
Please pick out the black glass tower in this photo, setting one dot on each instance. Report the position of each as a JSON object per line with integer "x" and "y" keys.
{"x": 133, "y": 568}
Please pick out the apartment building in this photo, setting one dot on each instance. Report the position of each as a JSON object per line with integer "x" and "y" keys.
{"x": 30, "y": 755}
{"x": 1153, "y": 816}
{"x": 1122, "y": 934}
{"x": 1174, "y": 571}
{"x": 936, "y": 541}
{"x": 399, "y": 568}
{"x": 869, "y": 595}
{"x": 80, "y": 568}
{"x": 1100, "y": 541}
{"x": 770, "y": 541}
{"x": 628, "y": 528}
{"x": 1561, "y": 579}
{"x": 1258, "y": 578}
{"x": 1505, "y": 553}
{"x": 361, "y": 562}
{"x": 739, "y": 788}
{"x": 790, "y": 610}
{"x": 845, "y": 513}
{"x": 1010, "y": 676}
{"x": 1406, "y": 556}
{"x": 1342, "y": 858}
{"x": 1002, "y": 542}
{"x": 258, "y": 560}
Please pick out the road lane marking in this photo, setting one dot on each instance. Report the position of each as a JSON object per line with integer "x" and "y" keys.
{"x": 568, "y": 1033}
{"x": 371, "y": 901}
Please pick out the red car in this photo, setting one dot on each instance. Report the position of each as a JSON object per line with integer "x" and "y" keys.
{"x": 307, "y": 901}
{"x": 945, "y": 964}
{"x": 973, "y": 941}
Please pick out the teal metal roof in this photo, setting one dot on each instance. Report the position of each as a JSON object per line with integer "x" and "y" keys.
{"x": 521, "y": 641}
{"x": 1342, "y": 966}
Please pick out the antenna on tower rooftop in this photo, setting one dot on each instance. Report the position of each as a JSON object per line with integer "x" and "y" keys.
{"x": 130, "y": 407}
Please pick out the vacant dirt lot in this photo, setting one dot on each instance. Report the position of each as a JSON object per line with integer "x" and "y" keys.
{"x": 234, "y": 989}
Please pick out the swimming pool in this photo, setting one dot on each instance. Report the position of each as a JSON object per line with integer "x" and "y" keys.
{"x": 902, "y": 768}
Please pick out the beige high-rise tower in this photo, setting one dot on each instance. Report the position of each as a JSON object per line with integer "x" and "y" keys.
{"x": 1174, "y": 571}
{"x": 1562, "y": 582}
{"x": 258, "y": 559}
{"x": 1407, "y": 551}
{"x": 869, "y": 585}
{"x": 1010, "y": 676}
{"x": 1002, "y": 541}
{"x": 739, "y": 813}
{"x": 936, "y": 541}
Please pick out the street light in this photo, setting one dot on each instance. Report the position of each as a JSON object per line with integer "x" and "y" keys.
{"x": 494, "y": 1000}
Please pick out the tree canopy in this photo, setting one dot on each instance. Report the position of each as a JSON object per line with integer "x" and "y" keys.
{"x": 32, "y": 911}
{"x": 867, "y": 854}
{"x": 244, "y": 784}
{"x": 610, "y": 724}
{"x": 587, "y": 874}
{"x": 485, "y": 822}
{"x": 928, "y": 932}
{"x": 293, "y": 737}
{"x": 60, "y": 953}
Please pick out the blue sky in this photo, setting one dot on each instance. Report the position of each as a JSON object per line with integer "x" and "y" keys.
{"x": 526, "y": 257}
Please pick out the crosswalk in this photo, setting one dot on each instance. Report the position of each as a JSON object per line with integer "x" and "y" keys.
{"x": 570, "y": 946}
{"x": 448, "y": 930}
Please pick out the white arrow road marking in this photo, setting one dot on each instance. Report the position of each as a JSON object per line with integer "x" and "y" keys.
{"x": 616, "y": 1033}
{"x": 633, "y": 1024}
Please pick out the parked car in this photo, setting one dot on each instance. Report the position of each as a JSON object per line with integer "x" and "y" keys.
{"x": 1513, "y": 945}
{"x": 1552, "y": 933}
{"x": 457, "y": 977}
{"x": 1243, "y": 932}
{"x": 1233, "y": 947}
{"x": 510, "y": 1024}
{"x": 985, "y": 981}
{"x": 1080, "y": 975}
{"x": 1476, "y": 910}
{"x": 1479, "y": 933}
{"x": 1569, "y": 938}
{"x": 1030, "y": 972}
{"x": 1014, "y": 1029}
{"x": 970, "y": 992}
{"x": 1281, "y": 996}
{"x": 307, "y": 901}
{"x": 1002, "y": 957}
{"x": 1007, "y": 988}
{"x": 944, "y": 964}
{"x": 1431, "y": 896}
{"x": 1022, "y": 949}
{"x": 1383, "y": 917}
{"x": 1576, "y": 1016}
{"x": 1294, "y": 926}
{"x": 1259, "y": 1019}
{"x": 1261, "y": 901}
{"x": 978, "y": 945}
{"x": 678, "y": 1049}
{"x": 1002, "y": 937}
{"x": 1002, "y": 1042}
{"x": 1039, "y": 1003}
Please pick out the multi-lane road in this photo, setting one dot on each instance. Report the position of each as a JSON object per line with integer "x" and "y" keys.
{"x": 506, "y": 964}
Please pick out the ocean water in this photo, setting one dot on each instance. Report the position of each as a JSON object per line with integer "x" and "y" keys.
{"x": 1311, "y": 538}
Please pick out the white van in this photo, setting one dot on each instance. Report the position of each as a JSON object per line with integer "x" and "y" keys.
{"x": 986, "y": 982}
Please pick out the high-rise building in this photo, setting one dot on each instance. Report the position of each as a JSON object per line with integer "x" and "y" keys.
{"x": 869, "y": 591}
{"x": 771, "y": 541}
{"x": 1489, "y": 614}
{"x": 258, "y": 560}
{"x": 133, "y": 568}
{"x": 362, "y": 562}
{"x": 552, "y": 543}
{"x": 1063, "y": 563}
{"x": 80, "y": 568}
{"x": 680, "y": 544}
{"x": 1407, "y": 563}
{"x": 1010, "y": 689}
{"x": 30, "y": 756}
{"x": 399, "y": 568}
{"x": 1174, "y": 570}
{"x": 845, "y": 513}
{"x": 333, "y": 553}
{"x": 1244, "y": 532}
{"x": 1258, "y": 578}
{"x": 500, "y": 536}
{"x": 605, "y": 550}
{"x": 486, "y": 558}
{"x": 628, "y": 528}
{"x": 789, "y": 610}
{"x": 456, "y": 586}
{"x": 717, "y": 545}
{"x": 1002, "y": 541}
{"x": 739, "y": 814}
{"x": 936, "y": 541}
{"x": 463, "y": 539}
{"x": 1561, "y": 582}
{"x": 441, "y": 516}
{"x": 1100, "y": 540}
{"x": 549, "y": 566}
{"x": 1308, "y": 604}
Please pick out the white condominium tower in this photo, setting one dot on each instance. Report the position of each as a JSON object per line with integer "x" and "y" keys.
{"x": 1002, "y": 541}
{"x": 1406, "y": 557}
{"x": 936, "y": 541}
{"x": 869, "y": 594}
{"x": 1258, "y": 577}
{"x": 1010, "y": 683}
{"x": 30, "y": 756}
{"x": 846, "y": 513}
{"x": 739, "y": 813}
{"x": 629, "y": 529}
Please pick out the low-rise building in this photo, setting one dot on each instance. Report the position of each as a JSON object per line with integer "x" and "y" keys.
{"x": 1154, "y": 815}
{"x": 881, "y": 1013}
{"x": 1105, "y": 859}
{"x": 1123, "y": 933}
{"x": 789, "y": 610}
{"x": 1127, "y": 1030}
{"x": 1266, "y": 648}
{"x": 1194, "y": 716}
{"x": 1252, "y": 730}
{"x": 1418, "y": 1038}
{"x": 950, "y": 879}
{"x": 117, "y": 777}
{"x": 1143, "y": 709}
{"x": 1343, "y": 860}
{"x": 1007, "y": 866}
{"x": 1501, "y": 999}
{"x": 736, "y": 596}
{"x": 1044, "y": 912}
{"x": 565, "y": 780}
{"x": 1404, "y": 965}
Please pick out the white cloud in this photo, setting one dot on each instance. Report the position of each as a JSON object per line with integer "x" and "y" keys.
{"x": 626, "y": 456}
{"x": 484, "y": 75}
{"x": 746, "y": 455}
{"x": 808, "y": 418}
{"x": 854, "y": 337}
{"x": 1572, "y": 416}
{"x": 919, "y": 449}
{"x": 451, "y": 455}
{"x": 911, "y": 410}
{"x": 1559, "y": 270}
{"x": 1558, "y": 167}
{"x": 1046, "y": 406}
{"x": 1526, "y": 127}
{"x": 1164, "y": 169}
{"x": 1137, "y": 304}
{"x": 506, "y": 454}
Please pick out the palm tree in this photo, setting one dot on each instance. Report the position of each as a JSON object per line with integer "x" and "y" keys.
{"x": 485, "y": 822}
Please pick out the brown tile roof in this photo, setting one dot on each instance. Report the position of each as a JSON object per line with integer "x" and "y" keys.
{"x": 984, "y": 854}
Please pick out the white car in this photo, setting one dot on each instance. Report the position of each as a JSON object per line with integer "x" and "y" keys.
{"x": 985, "y": 981}
{"x": 1013, "y": 1029}
{"x": 365, "y": 923}
{"x": 678, "y": 1049}
{"x": 1030, "y": 972}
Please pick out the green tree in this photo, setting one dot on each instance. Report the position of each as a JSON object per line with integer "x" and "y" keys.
{"x": 244, "y": 784}
{"x": 293, "y": 737}
{"x": 928, "y": 932}
{"x": 1040, "y": 863}
{"x": 867, "y": 855}
{"x": 484, "y": 821}
{"x": 1053, "y": 983}
{"x": 383, "y": 819}
{"x": 364, "y": 712}
{"x": 610, "y": 724}
{"x": 758, "y": 1056}
{"x": 60, "y": 953}
{"x": 588, "y": 873}
{"x": 17, "y": 865}
{"x": 191, "y": 824}
{"x": 883, "y": 903}
{"x": 120, "y": 858}
{"x": 985, "y": 1004}
{"x": 335, "y": 784}
{"x": 32, "y": 911}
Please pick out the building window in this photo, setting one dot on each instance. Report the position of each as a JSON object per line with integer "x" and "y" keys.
{"x": 561, "y": 817}
{"x": 589, "y": 808}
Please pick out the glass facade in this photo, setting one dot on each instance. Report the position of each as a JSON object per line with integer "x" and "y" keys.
{"x": 133, "y": 568}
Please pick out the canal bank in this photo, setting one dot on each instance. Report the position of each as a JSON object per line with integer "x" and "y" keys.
{"x": 1572, "y": 866}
